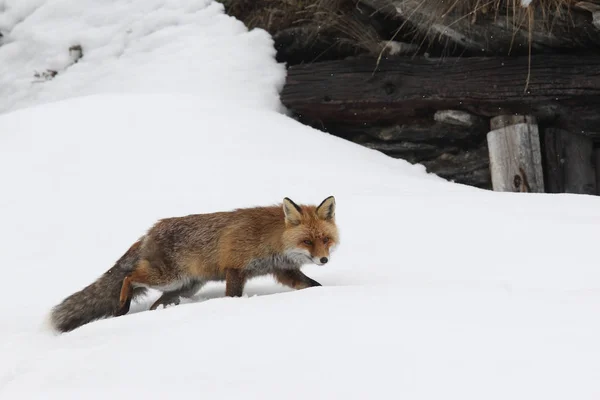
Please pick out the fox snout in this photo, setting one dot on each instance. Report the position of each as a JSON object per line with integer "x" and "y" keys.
{"x": 320, "y": 260}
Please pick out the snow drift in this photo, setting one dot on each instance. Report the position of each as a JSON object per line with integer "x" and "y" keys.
{"x": 138, "y": 46}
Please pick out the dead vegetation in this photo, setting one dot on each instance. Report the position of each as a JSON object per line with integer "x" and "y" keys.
{"x": 436, "y": 27}
{"x": 477, "y": 23}
{"x": 341, "y": 24}
{"x": 451, "y": 11}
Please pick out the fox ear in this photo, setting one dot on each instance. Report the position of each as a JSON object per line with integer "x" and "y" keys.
{"x": 293, "y": 212}
{"x": 326, "y": 209}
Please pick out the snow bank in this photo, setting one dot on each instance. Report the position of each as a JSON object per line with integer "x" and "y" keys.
{"x": 139, "y": 46}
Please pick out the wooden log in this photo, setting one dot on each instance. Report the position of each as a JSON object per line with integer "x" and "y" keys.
{"x": 417, "y": 130}
{"x": 458, "y": 118}
{"x": 354, "y": 91}
{"x": 569, "y": 162}
{"x": 469, "y": 167}
{"x": 425, "y": 132}
{"x": 411, "y": 152}
{"x": 515, "y": 155}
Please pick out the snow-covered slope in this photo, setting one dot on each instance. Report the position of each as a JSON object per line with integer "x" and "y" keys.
{"x": 437, "y": 290}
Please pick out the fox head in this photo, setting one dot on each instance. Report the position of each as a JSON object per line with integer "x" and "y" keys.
{"x": 311, "y": 233}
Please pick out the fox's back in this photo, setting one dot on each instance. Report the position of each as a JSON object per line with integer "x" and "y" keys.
{"x": 199, "y": 242}
{"x": 250, "y": 225}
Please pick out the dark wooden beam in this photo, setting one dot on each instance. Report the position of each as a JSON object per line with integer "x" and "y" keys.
{"x": 399, "y": 89}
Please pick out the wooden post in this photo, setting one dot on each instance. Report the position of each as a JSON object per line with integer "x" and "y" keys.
{"x": 570, "y": 162}
{"x": 515, "y": 155}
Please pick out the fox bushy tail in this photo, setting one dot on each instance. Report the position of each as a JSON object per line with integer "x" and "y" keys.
{"x": 99, "y": 299}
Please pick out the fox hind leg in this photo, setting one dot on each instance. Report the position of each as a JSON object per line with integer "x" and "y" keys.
{"x": 125, "y": 296}
{"x": 143, "y": 274}
{"x": 124, "y": 307}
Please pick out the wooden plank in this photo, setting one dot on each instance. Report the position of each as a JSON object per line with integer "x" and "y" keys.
{"x": 515, "y": 155}
{"x": 570, "y": 164}
{"x": 355, "y": 91}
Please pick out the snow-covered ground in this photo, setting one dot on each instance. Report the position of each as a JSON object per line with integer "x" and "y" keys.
{"x": 139, "y": 46}
{"x": 438, "y": 291}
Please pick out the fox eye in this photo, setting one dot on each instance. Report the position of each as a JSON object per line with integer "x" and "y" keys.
{"x": 325, "y": 239}
{"x": 308, "y": 242}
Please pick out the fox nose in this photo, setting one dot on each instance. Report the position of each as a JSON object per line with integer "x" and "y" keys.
{"x": 324, "y": 260}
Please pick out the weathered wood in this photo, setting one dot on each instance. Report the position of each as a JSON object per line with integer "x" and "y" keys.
{"x": 425, "y": 132}
{"x": 515, "y": 155}
{"x": 415, "y": 130}
{"x": 458, "y": 118}
{"x": 355, "y": 91}
{"x": 469, "y": 167}
{"x": 569, "y": 162}
{"x": 412, "y": 152}
{"x": 502, "y": 121}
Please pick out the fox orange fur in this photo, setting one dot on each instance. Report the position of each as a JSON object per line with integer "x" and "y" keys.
{"x": 179, "y": 255}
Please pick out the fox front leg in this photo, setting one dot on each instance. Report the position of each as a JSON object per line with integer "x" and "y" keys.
{"x": 295, "y": 279}
{"x": 173, "y": 297}
{"x": 165, "y": 300}
{"x": 234, "y": 282}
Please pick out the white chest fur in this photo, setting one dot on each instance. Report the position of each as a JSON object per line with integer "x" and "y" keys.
{"x": 291, "y": 259}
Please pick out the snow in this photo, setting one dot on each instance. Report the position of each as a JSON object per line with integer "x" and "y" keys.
{"x": 525, "y": 3}
{"x": 136, "y": 46}
{"x": 437, "y": 290}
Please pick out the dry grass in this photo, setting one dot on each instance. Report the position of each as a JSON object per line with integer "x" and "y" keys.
{"x": 336, "y": 18}
{"x": 471, "y": 9}
{"x": 536, "y": 18}
{"x": 271, "y": 15}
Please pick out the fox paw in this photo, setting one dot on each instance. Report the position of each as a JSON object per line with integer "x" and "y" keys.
{"x": 165, "y": 302}
{"x": 123, "y": 308}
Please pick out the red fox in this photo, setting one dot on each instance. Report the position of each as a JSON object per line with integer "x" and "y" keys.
{"x": 179, "y": 255}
